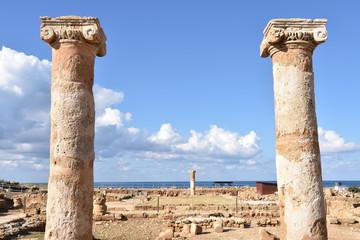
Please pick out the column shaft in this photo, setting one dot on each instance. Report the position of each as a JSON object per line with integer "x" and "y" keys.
{"x": 301, "y": 199}
{"x": 192, "y": 182}
{"x": 70, "y": 199}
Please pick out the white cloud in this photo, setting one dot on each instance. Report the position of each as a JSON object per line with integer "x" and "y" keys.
{"x": 332, "y": 142}
{"x": 15, "y": 67}
{"x": 105, "y": 97}
{"x": 25, "y": 127}
{"x": 112, "y": 117}
{"x": 8, "y": 164}
{"x": 40, "y": 167}
{"x": 218, "y": 141}
{"x": 25, "y": 104}
{"x": 126, "y": 168}
{"x": 133, "y": 130}
{"x": 165, "y": 136}
{"x": 342, "y": 164}
{"x": 230, "y": 167}
{"x": 250, "y": 162}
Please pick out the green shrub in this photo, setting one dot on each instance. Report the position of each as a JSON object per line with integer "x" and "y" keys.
{"x": 354, "y": 189}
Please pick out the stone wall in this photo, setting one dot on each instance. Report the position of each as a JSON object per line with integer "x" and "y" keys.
{"x": 246, "y": 193}
{"x": 33, "y": 204}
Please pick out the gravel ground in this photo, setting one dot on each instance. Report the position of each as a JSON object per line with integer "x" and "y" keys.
{"x": 146, "y": 229}
{"x": 133, "y": 229}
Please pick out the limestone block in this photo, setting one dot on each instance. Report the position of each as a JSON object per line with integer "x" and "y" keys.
{"x": 186, "y": 228}
{"x": 332, "y": 220}
{"x": 195, "y": 229}
{"x": 218, "y": 226}
{"x": 273, "y": 221}
{"x": 265, "y": 235}
{"x": 168, "y": 234}
{"x": 347, "y": 220}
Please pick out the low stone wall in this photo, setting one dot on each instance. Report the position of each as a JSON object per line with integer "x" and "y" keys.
{"x": 21, "y": 226}
{"x": 246, "y": 193}
{"x": 33, "y": 204}
{"x": 208, "y": 223}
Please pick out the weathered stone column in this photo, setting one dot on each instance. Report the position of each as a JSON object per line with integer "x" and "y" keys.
{"x": 75, "y": 41}
{"x": 192, "y": 182}
{"x": 290, "y": 43}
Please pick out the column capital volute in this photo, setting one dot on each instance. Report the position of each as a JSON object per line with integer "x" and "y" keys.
{"x": 67, "y": 29}
{"x": 282, "y": 34}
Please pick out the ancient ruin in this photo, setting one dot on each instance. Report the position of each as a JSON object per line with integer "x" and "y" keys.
{"x": 290, "y": 43}
{"x": 100, "y": 204}
{"x": 75, "y": 42}
{"x": 131, "y": 212}
{"x": 74, "y": 210}
{"x": 192, "y": 182}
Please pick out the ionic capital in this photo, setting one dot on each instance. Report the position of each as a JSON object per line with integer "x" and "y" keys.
{"x": 281, "y": 34}
{"x": 67, "y": 29}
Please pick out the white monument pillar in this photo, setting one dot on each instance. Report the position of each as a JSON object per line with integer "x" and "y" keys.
{"x": 192, "y": 182}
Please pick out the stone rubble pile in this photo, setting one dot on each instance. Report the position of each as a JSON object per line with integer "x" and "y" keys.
{"x": 20, "y": 226}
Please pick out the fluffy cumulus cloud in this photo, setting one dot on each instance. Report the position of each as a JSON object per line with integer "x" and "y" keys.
{"x": 25, "y": 128}
{"x": 332, "y": 142}
{"x": 105, "y": 114}
{"x": 25, "y": 103}
{"x": 106, "y": 97}
{"x": 219, "y": 142}
{"x": 214, "y": 146}
{"x": 165, "y": 136}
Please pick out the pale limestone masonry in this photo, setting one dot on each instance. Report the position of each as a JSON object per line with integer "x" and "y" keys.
{"x": 75, "y": 42}
{"x": 290, "y": 43}
{"x": 100, "y": 207}
{"x": 192, "y": 182}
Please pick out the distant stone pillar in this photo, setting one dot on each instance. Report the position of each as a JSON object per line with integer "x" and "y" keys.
{"x": 75, "y": 42}
{"x": 290, "y": 43}
{"x": 100, "y": 207}
{"x": 192, "y": 182}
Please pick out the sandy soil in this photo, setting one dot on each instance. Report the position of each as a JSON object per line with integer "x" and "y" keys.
{"x": 146, "y": 229}
{"x": 193, "y": 200}
{"x": 8, "y": 217}
{"x": 149, "y": 229}
{"x": 136, "y": 229}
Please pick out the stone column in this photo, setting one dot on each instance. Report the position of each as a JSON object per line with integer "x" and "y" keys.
{"x": 192, "y": 182}
{"x": 75, "y": 42}
{"x": 100, "y": 207}
{"x": 290, "y": 43}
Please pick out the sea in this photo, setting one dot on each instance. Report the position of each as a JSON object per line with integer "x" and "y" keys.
{"x": 207, "y": 184}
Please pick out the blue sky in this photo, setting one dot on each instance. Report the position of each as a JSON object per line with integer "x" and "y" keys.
{"x": 182, "y": 87}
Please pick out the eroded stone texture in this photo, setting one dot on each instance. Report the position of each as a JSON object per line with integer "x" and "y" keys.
{"x": 290, "y": 43}
{"x": 192, "y": 182}
{"x": 100, "y": 207}
{"x": 75, "y": 42}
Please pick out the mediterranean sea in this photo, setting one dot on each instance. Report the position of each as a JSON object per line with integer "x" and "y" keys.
{"x": 208, "y": 184}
